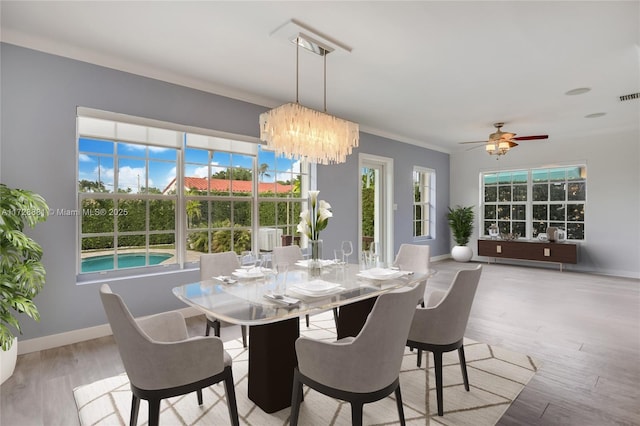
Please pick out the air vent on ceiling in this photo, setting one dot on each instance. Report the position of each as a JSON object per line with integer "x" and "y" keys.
{"x": 630, "y": 96}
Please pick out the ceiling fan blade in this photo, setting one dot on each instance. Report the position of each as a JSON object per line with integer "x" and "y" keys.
{"x": 462, "y": 143}
{"x": 474, "y": 147}
{"x": 530, "y": 138}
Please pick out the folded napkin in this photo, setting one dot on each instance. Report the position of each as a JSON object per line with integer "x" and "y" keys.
{"x": 285, "y": 300}
{"x": 225, "y": 279}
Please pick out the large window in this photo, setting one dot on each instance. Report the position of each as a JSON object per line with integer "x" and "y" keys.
{"x": 424, "y": 202}
{"x": 150, "y": 197}
{"x": 125, "y": 220}
{"x": 526, "y": 202}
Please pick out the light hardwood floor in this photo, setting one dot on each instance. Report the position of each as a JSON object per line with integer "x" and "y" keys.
{"x": 584, "y": 328}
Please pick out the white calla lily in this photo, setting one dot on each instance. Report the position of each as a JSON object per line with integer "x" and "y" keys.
{"x": 315, "y": 218}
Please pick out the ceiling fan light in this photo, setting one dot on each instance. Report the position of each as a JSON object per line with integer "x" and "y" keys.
{"x": 504, "y": 146}
{"x": 490, "y": 147}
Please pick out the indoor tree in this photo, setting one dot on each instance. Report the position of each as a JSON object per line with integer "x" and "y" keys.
{"x": 22, "y": 274}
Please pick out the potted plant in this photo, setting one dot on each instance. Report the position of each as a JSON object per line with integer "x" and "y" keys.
{"x": 22, "y": 274}
{"x": 461, "y": 223}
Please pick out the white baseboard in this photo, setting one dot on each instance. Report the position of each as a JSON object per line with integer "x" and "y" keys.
{"x": 441, "y": 257}
{"x": 75, "y": 336}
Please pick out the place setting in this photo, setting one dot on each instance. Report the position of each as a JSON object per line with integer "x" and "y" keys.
{"x": 251, "y": 266}
{"x": 316, "y": 288}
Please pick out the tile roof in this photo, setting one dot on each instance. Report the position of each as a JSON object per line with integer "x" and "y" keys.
{"x": 226, "y": 185}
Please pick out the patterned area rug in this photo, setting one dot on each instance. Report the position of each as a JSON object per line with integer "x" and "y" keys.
{"x": 496, "y": 378}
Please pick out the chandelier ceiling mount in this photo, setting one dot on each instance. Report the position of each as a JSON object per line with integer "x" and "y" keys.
{"x": 296, "y": 131}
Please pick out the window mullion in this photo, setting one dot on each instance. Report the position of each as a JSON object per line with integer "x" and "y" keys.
{"x": 180, "y": 210}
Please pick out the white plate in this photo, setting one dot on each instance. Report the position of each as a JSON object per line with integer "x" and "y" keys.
{"x": 250, "y": 273}
{"x": 316, "y": 288}
{"x": 381, "y": 274}
{"x": 305, "y": 263}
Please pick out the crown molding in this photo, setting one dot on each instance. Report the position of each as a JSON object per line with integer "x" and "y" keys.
{"x": 44, "y": 45}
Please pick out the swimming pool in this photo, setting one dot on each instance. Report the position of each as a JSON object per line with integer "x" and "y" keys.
{"x": 125, "y": 260}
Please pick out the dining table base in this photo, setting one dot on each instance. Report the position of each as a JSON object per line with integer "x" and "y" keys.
{"x": 351, "y": 317}
{"x": 272, "y": 359}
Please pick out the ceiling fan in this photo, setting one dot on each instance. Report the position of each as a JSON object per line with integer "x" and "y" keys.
{"x": 500, "y": 142}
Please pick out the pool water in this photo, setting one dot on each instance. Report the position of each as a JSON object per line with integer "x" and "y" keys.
{"x": 125, "y": 260}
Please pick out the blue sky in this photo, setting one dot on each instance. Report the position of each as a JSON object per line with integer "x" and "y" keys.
{"x": 96, "y": 162}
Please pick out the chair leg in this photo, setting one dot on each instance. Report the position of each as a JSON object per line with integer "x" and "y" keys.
{"x": 437, "y": 361}
{"x": 216, "y": 327}
{"x": 135, "y": 406}
{"x": 154, "y": 412}
{"x": 231, "y": 398}
{"x": 199, "y": 393}
{"x": 243, "y": 329}
{"x": 306, "y": 317}
{"x": 400, "y": 407}
{"x": 356, "y": 413}
{"x": 419, "y": 362}
{"x": 296, "y": 398}
{"x": 463, "y": 367}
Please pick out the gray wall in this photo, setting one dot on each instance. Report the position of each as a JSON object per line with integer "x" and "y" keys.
{"x": 40, "y": 93}
{"x": 340, "y": 185}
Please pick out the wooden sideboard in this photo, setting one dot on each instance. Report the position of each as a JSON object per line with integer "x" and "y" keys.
{"x": 539, "y": 251}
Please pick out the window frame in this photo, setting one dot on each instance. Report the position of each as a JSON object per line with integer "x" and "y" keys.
{"x": 428, "y": 205}
{"x": 530, "y": 204}
{"x": 210, "y": 140}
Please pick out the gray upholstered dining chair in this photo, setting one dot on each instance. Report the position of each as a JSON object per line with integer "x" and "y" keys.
{"x": 364, "y": 368}
{"x": 413, "y": 257}
{"x": 214, "y": 265}
{"x": 286, "y": 254}
{"x": 440, "y": 326}
{"x": 161, "y": 360}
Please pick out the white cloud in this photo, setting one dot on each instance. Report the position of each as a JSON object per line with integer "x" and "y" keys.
{"x": 84, "y": 158}
{"x": 202, "y": 172}
{"x": 132, "y": 177}
{"x": 170, "y": 176}
{"x": 285, "y": 176}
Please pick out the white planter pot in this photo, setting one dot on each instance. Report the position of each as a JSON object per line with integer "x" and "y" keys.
{"x": 461, "y": 253}
{"x": 8, "y": 361}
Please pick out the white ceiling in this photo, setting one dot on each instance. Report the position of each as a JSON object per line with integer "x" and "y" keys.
{"x": 430, "y": 73}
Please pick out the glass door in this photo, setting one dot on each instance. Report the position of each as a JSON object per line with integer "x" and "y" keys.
{"x": 376, "y": 206}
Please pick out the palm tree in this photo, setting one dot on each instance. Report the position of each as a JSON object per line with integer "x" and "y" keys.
{"x": 193, "y": 207}
{"x": 262, "y": 171}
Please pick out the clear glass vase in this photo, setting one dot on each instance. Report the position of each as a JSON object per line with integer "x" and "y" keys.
{"x": 315, "y": 256}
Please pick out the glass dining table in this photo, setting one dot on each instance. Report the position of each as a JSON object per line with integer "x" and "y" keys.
{"x": 249, "y": 299}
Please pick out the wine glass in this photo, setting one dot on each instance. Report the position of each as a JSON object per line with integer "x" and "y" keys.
{"x": 281, "y": 279}
{"x": 374, "y": 252}
{"x": 347, "y": 250}
{"x": 249, "y": 261}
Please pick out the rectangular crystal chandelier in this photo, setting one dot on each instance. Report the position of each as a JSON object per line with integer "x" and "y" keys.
{"x": 296, "y": 131}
